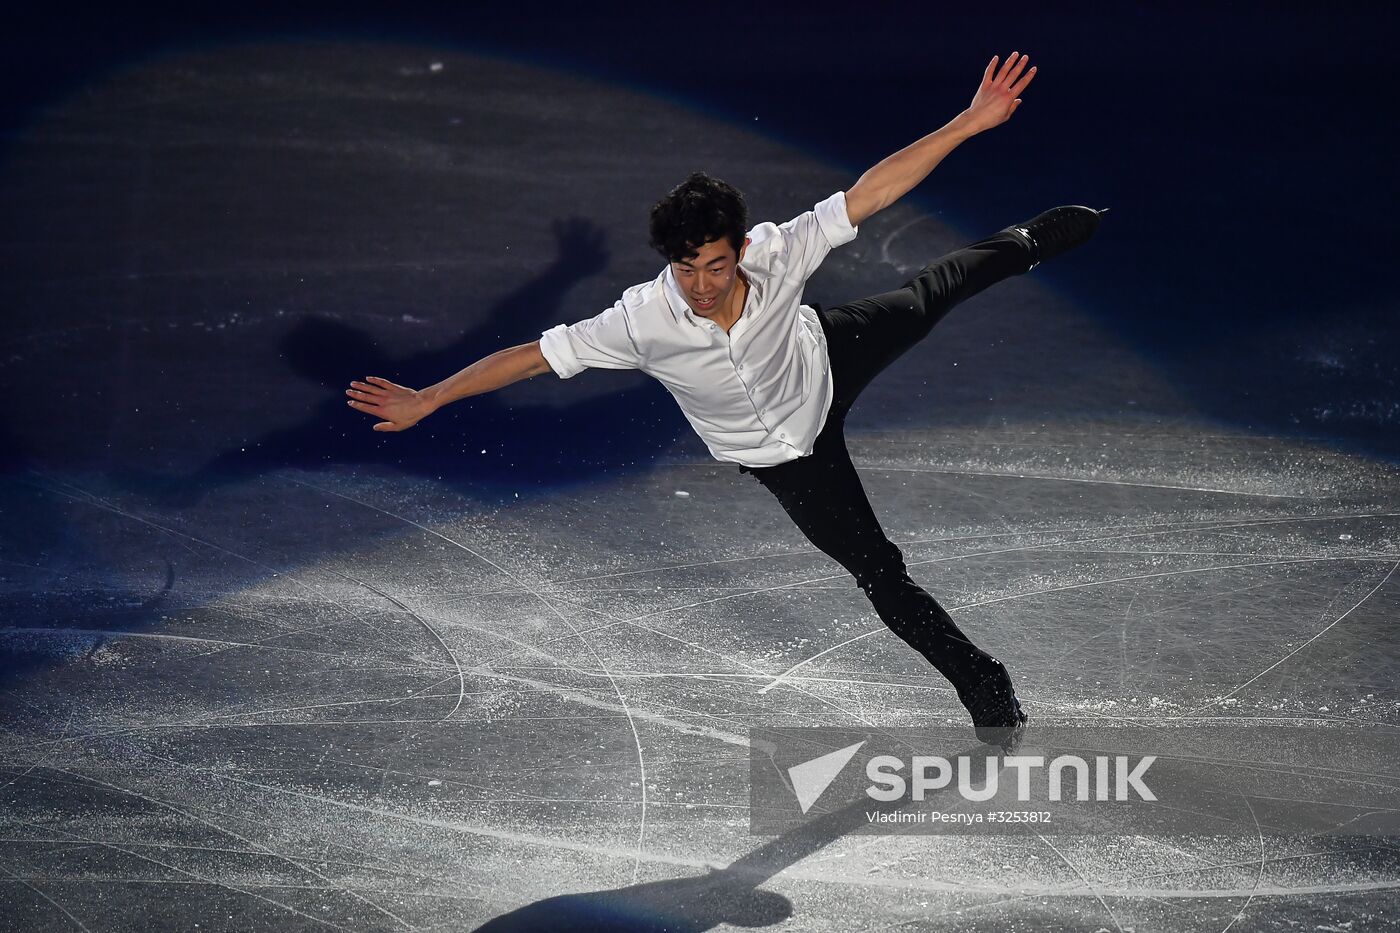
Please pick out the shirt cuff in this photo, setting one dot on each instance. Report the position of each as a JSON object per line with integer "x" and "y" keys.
{"x": 834, "y": 221}
{"x": 554, "y": 346}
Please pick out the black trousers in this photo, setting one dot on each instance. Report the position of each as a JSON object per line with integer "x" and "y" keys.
{"x": 822, "y": 492}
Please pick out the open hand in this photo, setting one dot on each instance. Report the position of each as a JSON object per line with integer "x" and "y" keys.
{"x": 999, "y": 95}
{"x": 399, "y": 406}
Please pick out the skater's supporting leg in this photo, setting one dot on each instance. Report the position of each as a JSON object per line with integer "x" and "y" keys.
{"x": 824, "y": 497}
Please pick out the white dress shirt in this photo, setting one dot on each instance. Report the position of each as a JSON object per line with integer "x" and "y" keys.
{"x": 757, "y": 395}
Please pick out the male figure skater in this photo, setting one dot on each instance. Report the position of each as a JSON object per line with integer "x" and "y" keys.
{"x": 767, "y": 381}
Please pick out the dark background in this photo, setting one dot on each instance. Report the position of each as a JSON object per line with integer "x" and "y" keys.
{"x": 1244, "y": 148}
{"x": 200, "y": 249}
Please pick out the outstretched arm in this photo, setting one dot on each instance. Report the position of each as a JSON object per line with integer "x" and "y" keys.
{"x": 401, "y": 407}
{"x": 995, "y": 101}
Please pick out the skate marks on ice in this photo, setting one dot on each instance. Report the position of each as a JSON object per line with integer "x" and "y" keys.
{"x": 447, "y": 719}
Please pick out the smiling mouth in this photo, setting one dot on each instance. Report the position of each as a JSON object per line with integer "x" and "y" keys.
{"x": 705, "y": 303}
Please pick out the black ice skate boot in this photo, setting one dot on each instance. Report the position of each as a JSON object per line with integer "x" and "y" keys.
{"x": 1057, "y": 231}
{"x": 997, "y": 716}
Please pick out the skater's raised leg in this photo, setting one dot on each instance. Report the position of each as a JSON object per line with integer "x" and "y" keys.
{"x": 865, "y": 336}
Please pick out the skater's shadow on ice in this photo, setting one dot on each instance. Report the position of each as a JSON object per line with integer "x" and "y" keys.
{"x": 479, "y": 442}
{"x": 689, "y": 905}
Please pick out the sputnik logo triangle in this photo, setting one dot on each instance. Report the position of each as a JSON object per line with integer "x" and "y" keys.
{"x": 811, "y": 778}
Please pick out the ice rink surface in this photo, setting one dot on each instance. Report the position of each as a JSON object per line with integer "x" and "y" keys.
{"x": 267, "y": 670}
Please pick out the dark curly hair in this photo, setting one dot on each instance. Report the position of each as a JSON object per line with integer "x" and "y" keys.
{"x": 698, "y": 210}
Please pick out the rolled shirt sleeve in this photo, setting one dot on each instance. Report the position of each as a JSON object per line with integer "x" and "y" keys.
{"x": 604, "y": 341}
{"x": 835, "y": 223}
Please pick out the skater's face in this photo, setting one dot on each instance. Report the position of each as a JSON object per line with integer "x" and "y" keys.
{"x": 709, "y": 278}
